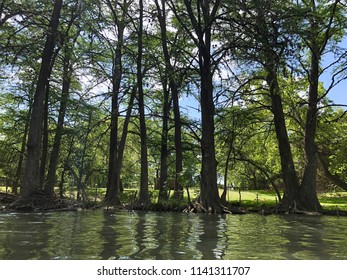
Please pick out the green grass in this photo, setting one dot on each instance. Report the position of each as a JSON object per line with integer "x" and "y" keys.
{"x": 248, "y": 198}
{"x": 252, "y": 198}
{"x": 329, "y": 201}
{"x": 334, "y": 200}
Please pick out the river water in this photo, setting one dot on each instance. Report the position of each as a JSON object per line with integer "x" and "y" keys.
{"x": 146, "y": 235}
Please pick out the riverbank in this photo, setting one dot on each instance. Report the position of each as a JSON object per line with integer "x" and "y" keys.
{"x": 238, "y": 202}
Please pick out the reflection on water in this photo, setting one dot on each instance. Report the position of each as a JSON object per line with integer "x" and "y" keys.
{"x": 145, "y": 235}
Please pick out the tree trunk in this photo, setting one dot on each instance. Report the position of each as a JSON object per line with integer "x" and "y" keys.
{"x": 163, "y": 184}
{"x": 209, "y": 196}
{"x": 81, "y": 195}
{"x": 21, "y": 156}
{"x": 44, "y": 152}
{"x": 319, "y": 33}
{"x": 62, "y": 181}
{"x": 308, "y": 185}
{"x": 51, "y": 176}
{"x": 178, "y": 140}
{"x": 32, "y": 175}
{"x": 290, "y": 179}
{"x": 226, "y": 169}
{"x": 45, "y": 136}
{"x": 164, "y": 153}
{"x": 161, "y": 13}
{"x": 112, "y": 193}
{"x": 113, "y": 184}
{"x": 122, "y": 141}
{"x": 65, "y": 168}
{"x": 143, "y": 196}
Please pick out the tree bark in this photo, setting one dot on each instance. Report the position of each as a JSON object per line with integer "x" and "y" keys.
{"x": 226, "y": 171}
{"x": 209, "y": 196}
{"x": 19, "y": 170}
{"x": 52, "y": 168}
{"x": 32, "y": 176}
{"x": 81, "y": 171}
{"x": 122, "y": 141}
{"x": 112, "y": 193}
{"x": 113, "y": 184}
{"x": 163, "y": 184}
{"x": 44, "y": 152}
{"x": 164, "y": 153}
{"x": 65, "y": 167}
{"x": 161, "y": 13}
{"x": 309, "y": 181}
{"x": 178, "y": 140}
{"x": 143, "y": 196}
{"x": 289, "y": 175}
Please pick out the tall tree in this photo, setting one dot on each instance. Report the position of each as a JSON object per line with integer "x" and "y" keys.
{"x": 164, "y": 152}
{"x": 174, "y": 87}
{"x": 270, "y": 50}
{"x": 143, "y": 196}
{"x": 269, "y": 37}
{"x": 67, "y": 73}
{"x": 113, "y": 190}
{"x": 316, "y": 36}
{"x": 122, "y": 142}
{"x": 202, "y": 16}
{"x": 31, "y": 179}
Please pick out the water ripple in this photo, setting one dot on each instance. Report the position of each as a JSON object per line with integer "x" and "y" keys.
{"x": 144, "y": 235}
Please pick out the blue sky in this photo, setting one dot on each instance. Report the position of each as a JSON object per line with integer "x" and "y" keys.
{"x": 339, "y": 93}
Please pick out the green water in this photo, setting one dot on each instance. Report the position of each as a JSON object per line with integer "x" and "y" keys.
{"x": 145, "y": 235}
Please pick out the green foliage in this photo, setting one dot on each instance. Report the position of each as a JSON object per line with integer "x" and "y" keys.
{"x": 332, "y": 138}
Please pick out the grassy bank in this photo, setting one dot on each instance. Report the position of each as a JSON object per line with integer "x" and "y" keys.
{"x": 252, "y": 199}
{"x": 329, "y": 200}
{"x": 246, "y": 199}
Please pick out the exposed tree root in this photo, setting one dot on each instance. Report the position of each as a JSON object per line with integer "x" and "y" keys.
{"x": 199, "y": 208}
{"x": 158, "y": 207}
{"x": 112, "y": 203}
{"x": 40, "y": 201}
{"x": 7, "y": 198}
